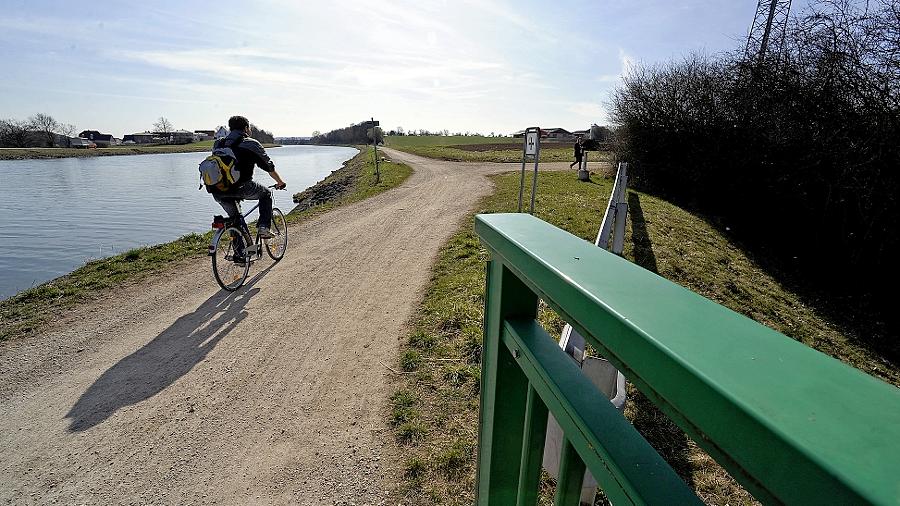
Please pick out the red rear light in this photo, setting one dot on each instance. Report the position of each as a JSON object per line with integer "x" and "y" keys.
{"x": 218, "y": 224}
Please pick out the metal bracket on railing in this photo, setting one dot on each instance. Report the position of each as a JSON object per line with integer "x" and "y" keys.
{"x": 602, "y": 374}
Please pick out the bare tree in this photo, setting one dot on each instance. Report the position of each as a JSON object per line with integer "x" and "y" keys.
{"x": 45, "y": 124}
{"x": 15, "y": 133}
{"x": 68, "y": 131}
{"x": 163, "y": 126}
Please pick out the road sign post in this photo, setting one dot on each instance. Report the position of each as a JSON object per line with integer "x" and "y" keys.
{"x": 374, "y": 133}
{"x": 530, "y": 148}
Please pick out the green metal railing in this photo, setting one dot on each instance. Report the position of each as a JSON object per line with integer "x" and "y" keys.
{"x": 792, "y": 425}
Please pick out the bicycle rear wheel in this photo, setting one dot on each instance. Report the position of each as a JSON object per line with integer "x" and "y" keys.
{"x": 230, "y": 264}
{"x": 278, "y": 244}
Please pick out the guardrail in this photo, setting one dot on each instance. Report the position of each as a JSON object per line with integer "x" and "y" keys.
{"x": 792, "y": 425}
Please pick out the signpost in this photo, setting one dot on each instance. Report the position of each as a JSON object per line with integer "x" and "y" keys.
{"x": 374, "y": 133}
{"x": 530, "y": 148}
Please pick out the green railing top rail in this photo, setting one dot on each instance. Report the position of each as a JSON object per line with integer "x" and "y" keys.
{"x": 792, "y": 425}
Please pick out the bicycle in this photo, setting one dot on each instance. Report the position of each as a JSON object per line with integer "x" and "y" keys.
{"x": 231, "y": 250}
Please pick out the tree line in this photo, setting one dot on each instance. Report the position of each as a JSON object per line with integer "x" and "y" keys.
{"x": 39, "y": 130}
{"x": 357, "y": 134}
{"x": 796, "y": 151}
{"x": 353, "y": 134}
{"x": 43, "y": 130}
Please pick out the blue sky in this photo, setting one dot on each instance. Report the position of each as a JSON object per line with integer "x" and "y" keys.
{"x": 296, "y": 66}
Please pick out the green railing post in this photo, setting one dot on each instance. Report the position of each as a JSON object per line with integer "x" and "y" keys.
{"x": 504, "y": 389}
{"x": 532, "y": 448}
{"x": 571, "y": 474}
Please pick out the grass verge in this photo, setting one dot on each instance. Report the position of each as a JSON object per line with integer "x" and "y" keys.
{"x": 42, "y": 153}
{"x": 435, "y": 409}
{"x": 483, "y": 149}
{"x": 29, "y": 311}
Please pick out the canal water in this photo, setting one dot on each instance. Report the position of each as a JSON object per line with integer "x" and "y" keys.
{"x": 55, "y": 215}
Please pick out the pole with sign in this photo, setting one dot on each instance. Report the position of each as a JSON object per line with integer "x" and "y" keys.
{"x": 374, "y": 133}
{"x": 531, "y": 148}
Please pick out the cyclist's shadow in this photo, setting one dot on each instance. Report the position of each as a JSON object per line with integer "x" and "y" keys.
{"x": 169, "y": 356}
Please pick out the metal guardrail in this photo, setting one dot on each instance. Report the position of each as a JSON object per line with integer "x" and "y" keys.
{"x": 792, "y": 425}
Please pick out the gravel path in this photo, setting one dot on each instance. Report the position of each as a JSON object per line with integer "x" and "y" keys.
{"x": 173, "y": 391}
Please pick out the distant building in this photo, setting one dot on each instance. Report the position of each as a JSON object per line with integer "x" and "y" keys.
{"x": 101, "y": 140}
{"x": 558, "y": 134}
{"x": 139, "y": 138}
{"x": 181, "y": 137}
{"x": 79, "y": 142}
{"x": 221, "y": 132}
{"x": 205, "y": 135}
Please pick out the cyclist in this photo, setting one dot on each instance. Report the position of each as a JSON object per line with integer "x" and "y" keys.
{"x": 248, "y": 153}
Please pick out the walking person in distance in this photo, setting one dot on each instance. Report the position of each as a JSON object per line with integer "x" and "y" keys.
{"x": 579, "y": 152}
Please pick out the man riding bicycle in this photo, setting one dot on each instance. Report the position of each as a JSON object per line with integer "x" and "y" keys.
{"x": 248, "y": 153}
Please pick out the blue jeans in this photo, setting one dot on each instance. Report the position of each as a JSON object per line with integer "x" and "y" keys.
{"x": 250, "y": 190}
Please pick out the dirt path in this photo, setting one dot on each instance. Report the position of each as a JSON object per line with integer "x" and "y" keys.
{"x": 175, "y": 392}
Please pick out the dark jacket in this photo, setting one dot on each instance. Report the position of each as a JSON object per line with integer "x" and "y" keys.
{"x": 579, "y": 151}
{"x": 249, "y": 153}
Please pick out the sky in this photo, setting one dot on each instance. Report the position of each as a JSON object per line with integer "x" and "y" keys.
{"x": 293, "y": 67}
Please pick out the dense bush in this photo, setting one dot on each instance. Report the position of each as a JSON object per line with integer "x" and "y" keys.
{"x": 797, "y": 151}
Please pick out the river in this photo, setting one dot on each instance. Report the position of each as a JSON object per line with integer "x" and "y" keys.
{"x": 57, "y": 214}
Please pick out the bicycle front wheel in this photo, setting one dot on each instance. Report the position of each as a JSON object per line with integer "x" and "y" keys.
{"x": 230, "y": 264}
{"x": 278, "y": 244}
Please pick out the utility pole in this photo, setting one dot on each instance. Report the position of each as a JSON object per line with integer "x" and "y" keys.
{"x": 768, "y": 28}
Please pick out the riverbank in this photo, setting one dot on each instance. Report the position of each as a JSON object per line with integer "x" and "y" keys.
{"x": 27, "y": 312}
{"x": 45, "y": 153}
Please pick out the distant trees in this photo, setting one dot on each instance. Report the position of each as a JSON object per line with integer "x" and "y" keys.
{"x": 353, "y": 134}
{"x": 68, "y": 131}
{"x": 46, "y": 125}
{"x": 261, "y": 135}
{"x": 15, "y": 133}
{"x": 39, "y": 130}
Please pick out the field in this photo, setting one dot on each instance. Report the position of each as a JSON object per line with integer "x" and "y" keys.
{"x": 482, "y": 149}
{"x": 435, "y": 407}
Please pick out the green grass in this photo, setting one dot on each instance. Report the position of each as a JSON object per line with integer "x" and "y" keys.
{"x": 482, "y": 149}
{"x": 30, "y": 153}
{"x": 28, "y": 312}
{"x": 405, "y": 141}
{"x": 685, "y": 248}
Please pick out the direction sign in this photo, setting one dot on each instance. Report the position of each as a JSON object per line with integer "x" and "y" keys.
{"x": 531, "y": 140}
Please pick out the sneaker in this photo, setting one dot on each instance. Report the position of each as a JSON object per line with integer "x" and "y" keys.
{"x": 239, "y": 259}
{"x": 265, "y": 233}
